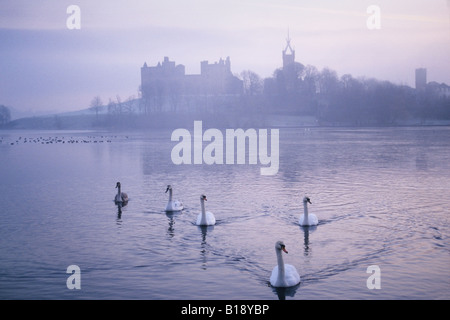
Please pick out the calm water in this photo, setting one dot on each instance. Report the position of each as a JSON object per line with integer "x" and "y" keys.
{"x": 382, "y": 197}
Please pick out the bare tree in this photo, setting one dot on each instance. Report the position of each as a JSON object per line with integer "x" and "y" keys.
{"x": 253, "y": 84}
{"x": 96, "y": 105}
{"x": 119, "y": 105}
{"x": 111, "y": 107}
{"x": 311, "y": 80}
{"x": 128, "y": 105}
{"x": 328, "y": 81}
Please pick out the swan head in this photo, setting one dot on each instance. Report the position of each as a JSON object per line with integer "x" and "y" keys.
{"x": 118, "y": 185}
{"x": 203, "y": 198}
{"x": 279, "y": 245}
{"x": 306, "y": 199}
{"x": 169, "y": 187}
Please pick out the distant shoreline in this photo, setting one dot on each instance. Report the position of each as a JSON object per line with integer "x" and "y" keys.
{"x": 173, "y": 121}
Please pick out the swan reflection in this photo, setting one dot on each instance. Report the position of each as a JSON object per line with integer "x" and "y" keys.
{"x": 204, "y": 245}
{"x": 204, "y": 231}
{"x": 306, "y": 231}
{"x": 120, "y": 205}
{"x": 282, "y": 293}
{"x": 171, "y": 217}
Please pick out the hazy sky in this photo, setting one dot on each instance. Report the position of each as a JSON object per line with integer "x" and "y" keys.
{"x": 46, "y": 66}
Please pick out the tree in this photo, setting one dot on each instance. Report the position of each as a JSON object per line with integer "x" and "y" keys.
{"x": 96, "y": 104}
{"x": 310, "y": 80}
{"x": 253, "y": 84}
{"x": 128, "y": 105}
{"x": 293, "y": 74}
{"x": 328, "y": 81}
{"x": 5, "y": 115}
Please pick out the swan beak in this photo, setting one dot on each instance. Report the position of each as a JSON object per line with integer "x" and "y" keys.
{"x": 166, "y": 190}
{"x": 284, "y": 249}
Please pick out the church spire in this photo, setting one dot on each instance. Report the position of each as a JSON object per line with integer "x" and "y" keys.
{"x": 288, "y": 44}
{"x": 288, "y": 52}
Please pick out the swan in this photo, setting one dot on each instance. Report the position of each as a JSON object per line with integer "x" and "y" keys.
{"x": 307, "y": 219}
{"x": 283, "y": 275}
{"x": 173, "y": 205}
{"x": 205, "y": 218}
{"x": 120, "y": 196}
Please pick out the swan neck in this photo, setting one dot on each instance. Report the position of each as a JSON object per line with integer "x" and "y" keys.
{"x": 305, "y": 207}
{"x": 203, "y": 214}
{"x": 203, "y": 208}
{"x": 170, "y": 194}
{"x": 281, "y": 274}
{"x": 118, "y": 191}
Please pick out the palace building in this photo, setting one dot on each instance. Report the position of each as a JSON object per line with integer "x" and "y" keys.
{"x": 167, "y": 85}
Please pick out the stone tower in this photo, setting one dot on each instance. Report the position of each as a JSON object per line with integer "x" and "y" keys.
{"x": 421, "y": 78}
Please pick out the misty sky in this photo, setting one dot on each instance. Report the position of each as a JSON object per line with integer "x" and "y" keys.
{"x": 46, "y": 66}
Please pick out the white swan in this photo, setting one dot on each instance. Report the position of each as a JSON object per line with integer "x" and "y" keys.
{"x": 307, "y": 219}
{"x": 120, "y": 196}
{"x": 205, "y": 218}
{"x": 283, "y": 275}
{"x": 173, "y": 205}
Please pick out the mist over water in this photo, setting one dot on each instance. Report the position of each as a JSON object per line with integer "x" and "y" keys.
{"x": 381, "y": 196}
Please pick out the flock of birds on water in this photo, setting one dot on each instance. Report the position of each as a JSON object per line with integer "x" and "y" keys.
{"x": 283, "y": 275}
{"x": 56, "y": 140}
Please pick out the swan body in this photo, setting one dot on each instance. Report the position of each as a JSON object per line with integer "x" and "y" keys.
{"x": 120, "y": 196}
{"x": 307, "y": 219}
{"x": 173, "y": 205}
{"x": 205, "y": 218}
{"x": 283, "y": 275}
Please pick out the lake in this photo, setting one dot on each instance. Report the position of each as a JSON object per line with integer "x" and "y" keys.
{"x": 382, "y": 197}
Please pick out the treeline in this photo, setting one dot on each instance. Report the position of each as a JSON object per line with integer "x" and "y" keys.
{"x": 300, "y": 90}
